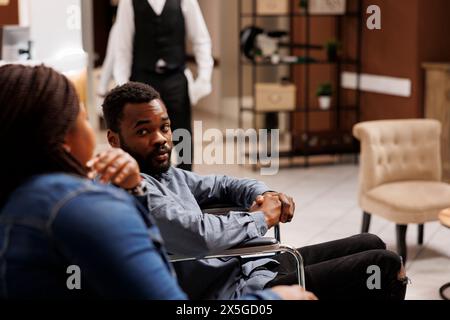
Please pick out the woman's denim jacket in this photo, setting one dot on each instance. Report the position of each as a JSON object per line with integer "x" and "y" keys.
{"x": 63, "y": 237}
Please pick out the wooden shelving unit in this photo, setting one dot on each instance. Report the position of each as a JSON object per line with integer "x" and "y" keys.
{"x": 306, "y": 141}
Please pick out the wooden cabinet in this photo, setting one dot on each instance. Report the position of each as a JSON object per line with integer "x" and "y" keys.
{"x": 272, "y": 7}
{"x": 9, "y": 13}
{"x": 274, "y": 97}
{"x": 437, "y": 105}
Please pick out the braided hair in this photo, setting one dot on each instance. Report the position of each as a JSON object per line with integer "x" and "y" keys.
{"x": 38, "y": 106}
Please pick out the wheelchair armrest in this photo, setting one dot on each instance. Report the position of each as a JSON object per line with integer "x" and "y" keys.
{"x": 256, "y": 243}
{"x": 251, "y": 247}
{"x": 222, "y": 208}
{"x": 260, "y": 246}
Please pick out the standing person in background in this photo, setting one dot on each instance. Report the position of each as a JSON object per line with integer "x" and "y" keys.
{"x": 152, "y": 50}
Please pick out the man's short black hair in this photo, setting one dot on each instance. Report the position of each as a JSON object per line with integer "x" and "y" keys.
{"x": 115, "y": 101}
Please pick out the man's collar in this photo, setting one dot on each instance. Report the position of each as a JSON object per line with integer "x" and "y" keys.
{"x": 162, "y": 176}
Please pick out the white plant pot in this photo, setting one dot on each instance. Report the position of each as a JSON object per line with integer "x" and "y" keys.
{"x": 325, "y": 102}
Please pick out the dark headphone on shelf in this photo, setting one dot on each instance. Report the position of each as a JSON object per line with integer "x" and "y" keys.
{"x": 247, "y": 39}
{"x": 249, "y": 36}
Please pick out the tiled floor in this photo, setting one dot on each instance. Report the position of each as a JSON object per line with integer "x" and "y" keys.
{"x": 327, "y": 209}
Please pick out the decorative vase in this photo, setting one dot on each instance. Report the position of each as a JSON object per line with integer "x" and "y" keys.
{"x": 325, "y": 102}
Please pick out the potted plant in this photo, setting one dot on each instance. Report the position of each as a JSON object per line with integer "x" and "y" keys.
{"x": 303, "y": 5}
{"x": 324, "y": 93}
{"x": 333, "y": 47}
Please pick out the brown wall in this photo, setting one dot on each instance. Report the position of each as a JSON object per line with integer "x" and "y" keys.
{"x": 393, "y": 51}
{"x": 9, "y": 14}
{"x": 434, "y": 19}
{"x": 413, "y": 32}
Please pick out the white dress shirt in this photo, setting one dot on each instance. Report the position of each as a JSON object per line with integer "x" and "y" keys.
{"x": 108, "y": 64}
{"x": 197, "y": 33}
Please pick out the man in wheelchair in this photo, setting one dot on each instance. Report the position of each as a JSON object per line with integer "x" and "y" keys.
{"x": 138, "y": 123}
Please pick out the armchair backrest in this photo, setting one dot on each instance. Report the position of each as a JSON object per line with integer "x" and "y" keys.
{"x": 398, "y": 150}
{"x": 79, "y": 80}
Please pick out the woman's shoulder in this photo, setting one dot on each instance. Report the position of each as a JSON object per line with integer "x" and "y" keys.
{"x": 45, "y": 193}
{"x": 59, "y": 185}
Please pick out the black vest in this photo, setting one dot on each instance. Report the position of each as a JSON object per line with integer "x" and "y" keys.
{"x": 158, "y": 37}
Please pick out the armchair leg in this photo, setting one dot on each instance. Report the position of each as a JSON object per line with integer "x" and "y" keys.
{"x": 420, "y": 234}
{"x": 366, "y": 222}
{"x": 401, "y": 241}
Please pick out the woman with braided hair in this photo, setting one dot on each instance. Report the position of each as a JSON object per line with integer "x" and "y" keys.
{"x": 61, "y": 234}
{"x": 37, "y": 107}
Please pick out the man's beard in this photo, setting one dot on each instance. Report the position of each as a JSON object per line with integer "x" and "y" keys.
{"x": 147, "y": 164}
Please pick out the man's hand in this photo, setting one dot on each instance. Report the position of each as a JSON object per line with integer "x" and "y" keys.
{"x": 293, "y": 293}
{"x": 198, "y": 88}
{"x": 287, "y": 205}
{"x": 115, "y": 166}
{"x": 271, "y": 206}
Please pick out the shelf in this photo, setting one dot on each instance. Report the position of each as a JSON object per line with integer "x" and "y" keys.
{"x": 333, "y": 109}
{"x": 336, "y": 138}
{"x": 318, "y": 62}
{"x": 301, "y": 46}
{"x": 332, "y": 150}
{"x": 303, "y": 153}
{"x": 304, "y": 110}
{"x": 252, "y": 15}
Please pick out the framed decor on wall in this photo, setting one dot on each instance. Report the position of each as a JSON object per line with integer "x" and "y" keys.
{"x": 327, "y": 6}
{"x": 272, "y": 7}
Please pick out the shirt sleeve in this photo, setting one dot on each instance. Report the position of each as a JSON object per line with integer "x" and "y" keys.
{"x": 108, "y": 63}
{"x": 198, "y": 34}
{"x": 222, "y": 189}
{"x": 124, "y": 45}
{"x": 108, "y": 240}
{"x": 192, "y": 233}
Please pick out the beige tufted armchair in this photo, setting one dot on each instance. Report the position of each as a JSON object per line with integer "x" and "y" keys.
{"x": 79, "y": 80}
{"x": 400, "y": 174}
